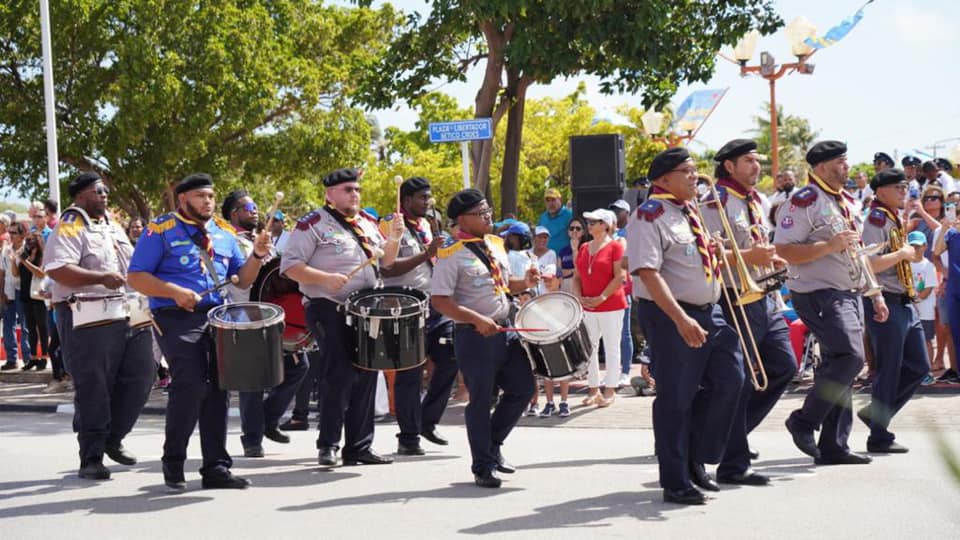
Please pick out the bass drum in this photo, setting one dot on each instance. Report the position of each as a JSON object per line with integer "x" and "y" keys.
{"x": 271, "y": 287}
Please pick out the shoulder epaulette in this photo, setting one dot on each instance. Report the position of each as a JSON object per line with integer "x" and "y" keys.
{"x": 225, "y": 225}
{"x": 877, "y": 217}
{"x": 308, "y": 220}
{"x": 368, "y": 217}
{"x": 804, "y": 198}
{"x": 710, "y": 200}
{"x": 650, "y": 210}
{"x": 162, "y": 224}
{"x": 495, "y": 242}
{"x": 450, "y": 246}
{"x": 71, "y": 223}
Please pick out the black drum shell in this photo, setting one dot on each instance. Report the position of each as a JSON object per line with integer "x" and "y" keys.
{"x": 565, "y": 359}
{"x": 399, "y": 343}
{"x": 249, "y": 359}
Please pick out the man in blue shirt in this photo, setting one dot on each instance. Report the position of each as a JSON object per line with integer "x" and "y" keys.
{"x": 184, "y": 253}
{"x": 555, "y": 219}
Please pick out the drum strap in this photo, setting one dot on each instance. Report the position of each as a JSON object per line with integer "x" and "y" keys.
{"x": 482, "y": 253}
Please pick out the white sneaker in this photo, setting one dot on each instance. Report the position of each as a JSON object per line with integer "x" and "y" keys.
{"x": 624, "y": 379}
{"x": 531, "y": 411}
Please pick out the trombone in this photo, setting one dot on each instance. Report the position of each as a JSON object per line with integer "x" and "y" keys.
{"x": 771, "y": 278}
{"x": 747, "y": 292}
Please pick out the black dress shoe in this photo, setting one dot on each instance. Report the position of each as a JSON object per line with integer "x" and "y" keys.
{"x": 8, "y": 366}
{"x": 843, "y": 459}
{"x": 295, "y": 425}
{"x": 410, "y": 449}
{"x": 698, "y": 473}
{"x": 29, "y": 365}
{"x": 753, "y": 453}
{"x": 328, "y": 457}
{"x": 887, "y": 448}
{"x": 803, "y": 439}
{"x": 276, "y": 435}
{"x": 94, "y": 470}
{"x": 255, "y": 451}
{"x": 120, "y": 455}
{"x": 748, "y": 478}
{"x": 504, "y": 466}
{"x": 684, "y": 496}
{"x": 367, "y": 457}
{"x": 225, "y": 481}
{"x": 434, "y": 436}
{"x": 173, "y": 476}
{"x": 487, "y": 479}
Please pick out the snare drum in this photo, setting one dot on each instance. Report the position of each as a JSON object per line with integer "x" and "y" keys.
{"x": 389, "y": 326}
{"x": 249, "y": 345}
{"x": 563, "y": 351}
{"x": 138, "y": 310}
{"x": 270, "y": 286}
{"x": 95, "y": 309}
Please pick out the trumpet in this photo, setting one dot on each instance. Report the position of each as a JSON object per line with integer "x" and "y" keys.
{"x": 771, "y": 279}
{"x": 746, "y": 293}
{"x": 857, "y": 258}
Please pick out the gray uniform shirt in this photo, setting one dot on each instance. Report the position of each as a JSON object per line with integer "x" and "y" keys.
{"x": 410, "y": 246}
{"x": 322, "y": 243}
{"x": 813, "y": 215}
{"x": 462, "y": 275}
{"x": 100, "y": 246}
{"x": 246, "y": 247}
{"x": 876, "y": 230}
{"x": 739, "y": 218}
{"x": 659, "y": 237}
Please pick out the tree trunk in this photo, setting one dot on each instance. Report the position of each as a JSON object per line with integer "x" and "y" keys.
{"x": 517, "y": 94}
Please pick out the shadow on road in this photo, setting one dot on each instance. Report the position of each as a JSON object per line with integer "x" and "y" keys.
{"x": 455, "y": 491}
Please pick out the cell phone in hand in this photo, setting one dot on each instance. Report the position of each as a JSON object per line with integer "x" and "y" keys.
{"x": 950, "y": 212}
{"x": 914, "y": 193}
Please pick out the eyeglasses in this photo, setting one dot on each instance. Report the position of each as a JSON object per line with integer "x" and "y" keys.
{"x": 351, "y": 189}
{"x": 689, "y": 171}
{"x": 486, "y": 212}
{"x": 100, "y": 190}
{"x": 595, "y": 221}
{"x": 249, "y": 207}
{"x": 932, "y": 198}
{"x": 578, "y": 228}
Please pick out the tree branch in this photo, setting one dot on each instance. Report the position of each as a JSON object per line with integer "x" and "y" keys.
{"x": 287, "y": 107}
{"x": 466, "y": 63}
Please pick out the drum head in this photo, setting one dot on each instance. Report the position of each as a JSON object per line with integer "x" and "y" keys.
{"x": 390, "y": 302}
{"x": 245, "y": 315}
{"x": 558, "y": 312}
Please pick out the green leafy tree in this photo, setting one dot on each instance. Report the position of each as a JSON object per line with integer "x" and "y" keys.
{"x": 252, "y": 91}
{"x": 647, "y": 46}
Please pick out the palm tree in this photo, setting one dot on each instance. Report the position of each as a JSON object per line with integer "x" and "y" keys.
{"x": 794, "y": 138}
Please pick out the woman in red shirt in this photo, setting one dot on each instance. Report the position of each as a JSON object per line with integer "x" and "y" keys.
{"x": 598, "y": 282}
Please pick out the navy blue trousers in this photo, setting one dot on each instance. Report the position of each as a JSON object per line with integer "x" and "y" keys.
{"x": 194, "y": 395}
{"x": 772, "y": 336}
{"x": 836, "y": 319}
{"x": 413, "y": 416}
{"x": 113, "y": 373}
{"x": 347, "y": 393}
{"x": 488, "y": 363}
{"x": 900, "y": 357}
{"x": 258, "y": 413}
{"x": 697, "y": 390}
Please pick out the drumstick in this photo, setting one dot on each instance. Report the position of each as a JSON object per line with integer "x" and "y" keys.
{"x": 273, "y": 209}
{"x": 377, "y": 253}
{"x": 523, "y": 330}
{"x": 234, "y": 279}
{"x": 398, "y": 180}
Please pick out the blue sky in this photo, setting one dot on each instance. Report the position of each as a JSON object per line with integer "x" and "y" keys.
{"x": 888, "y": 86}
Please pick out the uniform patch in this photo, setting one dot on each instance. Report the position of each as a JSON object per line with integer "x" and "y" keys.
{"x": 308, "y": 220}
{"x": 877, "y": 217}
{"x": 177, "y": 243}
{"x": 70, "y": 229}
{"x": 162, "y": 224}
{"x": 650, "y": 210}
{"x": 804, "y": 198}
{"x": 184, "y": 260}
{"x": 786, "y": 222}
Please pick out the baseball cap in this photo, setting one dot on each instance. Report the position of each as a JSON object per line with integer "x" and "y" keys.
{"x": 602, "y": 214}
{"x": 552, "y": 193}
{"x": 916, "y": 238}
{"x": 541, "y": 230}
{"x": 619, "y": 204}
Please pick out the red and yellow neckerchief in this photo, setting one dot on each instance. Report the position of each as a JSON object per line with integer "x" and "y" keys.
{"x": 711, "y": 265}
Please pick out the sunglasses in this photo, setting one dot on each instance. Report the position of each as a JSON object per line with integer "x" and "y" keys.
{"x": 932, "y": 198}
{"x": 249, "y": 207}
{"x": 576, "y": 228}
{"x": 595, "y": 221}
{"x": 486, "y": 212}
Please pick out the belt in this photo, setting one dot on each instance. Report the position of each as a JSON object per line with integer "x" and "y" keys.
{"x": 696, "y": 307}
{"x": 898, "y": 298}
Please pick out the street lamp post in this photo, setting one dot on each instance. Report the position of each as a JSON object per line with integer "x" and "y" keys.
{"x": 796, "y": 32}
{"x": 653, "y": 122}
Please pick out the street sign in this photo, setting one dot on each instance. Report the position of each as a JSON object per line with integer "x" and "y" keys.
{"x": 464, "y": 130}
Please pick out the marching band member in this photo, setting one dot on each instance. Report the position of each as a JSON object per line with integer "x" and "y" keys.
{"x": 470, "y": 286}
{"x": 696, "y": 355}
{"x": 738, "y": 169}
{"x": 898, "y": 343}
{"x": 111, "y": 364}
{"x": 182, "y": 254}
{"x": 414, "y": 268}
{"x": 259, "y": 415}
{"x": 320, "y": 253}
{"x": 817, "y": 234}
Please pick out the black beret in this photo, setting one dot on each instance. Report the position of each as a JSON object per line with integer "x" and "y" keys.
{"x": 666, "y": 161}
{"x": 413, "y": 185}
{"x": 882, "y": 157}
{"x": 463, "y": 201}
{"x": 194, "y": 181}
{"x": 734, "y": 149}
{"x": 341, "y": 176}
{"x": 910, "y": 161}
{"x": 944, "y": 164}
{"x": 887, "y": 177}
{"x": 825, "y": 151}
{"x": 81, "y": 182}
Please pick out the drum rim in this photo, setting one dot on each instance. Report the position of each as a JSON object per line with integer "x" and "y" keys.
{"x": 535, "y": 337}
{"x": 247, "y": 325}
{"x": 421, "y": 297}
{"x": 95, "y": 297}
